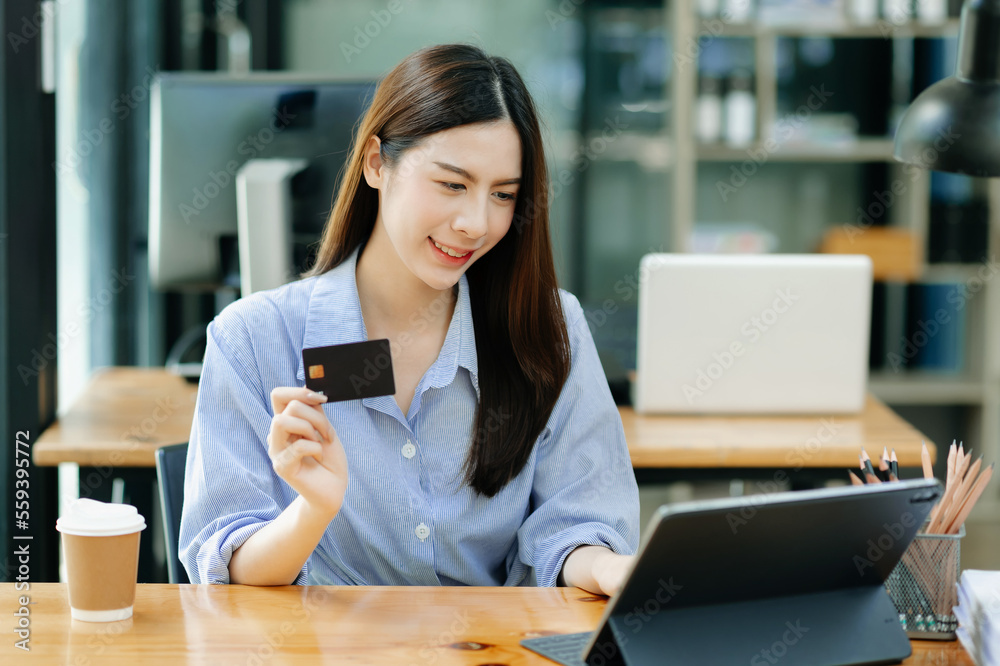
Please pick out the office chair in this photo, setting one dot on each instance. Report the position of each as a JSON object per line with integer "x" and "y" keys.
{"x": 170, "y": 462}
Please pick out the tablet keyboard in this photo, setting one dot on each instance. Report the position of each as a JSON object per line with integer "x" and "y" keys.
{"x": 564, "y": 648}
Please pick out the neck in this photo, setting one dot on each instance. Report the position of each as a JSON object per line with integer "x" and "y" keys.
{"x": 392, "y": 297}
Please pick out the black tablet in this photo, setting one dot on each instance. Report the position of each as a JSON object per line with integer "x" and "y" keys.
{"x": 797, "y": 577}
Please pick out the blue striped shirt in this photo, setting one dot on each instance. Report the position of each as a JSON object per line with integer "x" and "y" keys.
{"x": 407, "y": 518}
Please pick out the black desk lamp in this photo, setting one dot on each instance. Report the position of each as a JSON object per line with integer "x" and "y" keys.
{"x": 954, "y": 125}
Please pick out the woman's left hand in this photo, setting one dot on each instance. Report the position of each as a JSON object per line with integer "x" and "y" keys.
{"x": 610, "y": 570}
{"x": 596, "y": 569}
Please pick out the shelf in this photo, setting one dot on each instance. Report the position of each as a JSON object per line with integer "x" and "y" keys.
{"x": 950, "y": 272}
{"x": 862, "y": 150}
{"x": 922, "y": 389}
{"x": 881, "y": 30}
{"x": 652, "y": 151}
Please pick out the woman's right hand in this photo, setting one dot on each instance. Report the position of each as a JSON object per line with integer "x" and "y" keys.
{"x": 305, "y": 450}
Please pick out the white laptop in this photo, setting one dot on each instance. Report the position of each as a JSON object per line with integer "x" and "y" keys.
{"x": 773, "y": 333}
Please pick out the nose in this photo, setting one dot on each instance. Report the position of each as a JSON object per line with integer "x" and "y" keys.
{"x": 473, "y": 219}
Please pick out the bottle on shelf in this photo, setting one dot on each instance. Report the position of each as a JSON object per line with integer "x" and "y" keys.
{"x": 707, "y": 8}
{"x": 740, "y": 110}
{"x": 737, "y": 11}
{"x": 863, "y": 12}
{"x": 932, "y": 12}
{"x": 897, "y": 12}
{"x": 708, "y": 109}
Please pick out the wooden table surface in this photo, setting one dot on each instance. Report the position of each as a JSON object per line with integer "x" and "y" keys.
{"x": 122, "y": 417}
{"x": 771, "y": 441}
{"x": 235, "y": 624}
{"x": 126, "y": 413}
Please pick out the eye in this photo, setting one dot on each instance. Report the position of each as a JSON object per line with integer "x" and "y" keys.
{"x": 453, "y": 187}
{"x": 506, "y": 196}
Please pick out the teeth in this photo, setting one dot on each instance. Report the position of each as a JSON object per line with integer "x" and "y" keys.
{"x": 447, "y": 250}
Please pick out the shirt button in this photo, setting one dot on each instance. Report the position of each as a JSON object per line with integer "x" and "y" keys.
{"x": 422, "y": 531}
{"x": 409, "y": 450}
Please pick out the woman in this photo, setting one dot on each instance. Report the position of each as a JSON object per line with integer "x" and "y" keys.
{"x": 501, "y": 459}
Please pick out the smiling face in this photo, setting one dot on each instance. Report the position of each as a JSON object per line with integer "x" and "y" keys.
{"x": 448, "y": 200}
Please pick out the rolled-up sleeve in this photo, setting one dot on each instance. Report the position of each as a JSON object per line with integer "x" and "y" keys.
{"x": 230, "y": 488}
{"x": 584, "y": 490}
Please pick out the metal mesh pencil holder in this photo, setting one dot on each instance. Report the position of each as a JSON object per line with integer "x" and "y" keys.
{"x": 922, "y": 586}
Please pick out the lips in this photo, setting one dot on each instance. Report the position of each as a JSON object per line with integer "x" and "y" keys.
{"x": 449, "y": 255}
{"x": 450, "y": 251}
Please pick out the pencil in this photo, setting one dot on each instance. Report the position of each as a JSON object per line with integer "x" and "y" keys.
{"x": 925, "y": 461}
{"x": 855, "y": 481}
{"x": 970, "y": 500}
{"x": 866, "y": 465}
{"x": 937, "y": 513}
{"x": 962, "y": 465}
{"x": 937, "y": 522}
{"x": 883, "y": 464}
{"x": 958, "y": 497}
{"x": 961, "y": 496}
{"x": 893, "y": 466}
{"x": 952, "y": 451}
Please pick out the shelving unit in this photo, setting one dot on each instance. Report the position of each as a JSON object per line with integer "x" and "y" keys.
{"x": 687, "y": 28}
{"x": 880, "y": 30}
{"x": 651, "y": 150}
{"x": 862, "y": 150}
{"x": 677, "y": 155}
{"x": 926, "y": 390}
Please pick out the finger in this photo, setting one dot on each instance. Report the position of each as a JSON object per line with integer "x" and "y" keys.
{"x": 314, "y": 414}
{"x": 283, "y": 425}
{"x": 282, "y": 395}
{"x": 288, "y": 460}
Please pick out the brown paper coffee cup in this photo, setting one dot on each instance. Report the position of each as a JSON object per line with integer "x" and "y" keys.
{"x": 101, "y": 548}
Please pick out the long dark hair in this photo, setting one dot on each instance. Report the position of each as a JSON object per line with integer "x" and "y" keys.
{"x": 521, "y": 339}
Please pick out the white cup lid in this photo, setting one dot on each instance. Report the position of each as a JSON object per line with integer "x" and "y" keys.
{"x": 87, "y": 517}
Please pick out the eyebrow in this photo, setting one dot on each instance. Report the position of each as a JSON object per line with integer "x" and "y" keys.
{"x": 465, "y": 174}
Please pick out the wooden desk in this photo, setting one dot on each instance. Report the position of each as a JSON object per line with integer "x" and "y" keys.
{"x": 770, "y": 441}
{"x": 126, "y": 413}
{"x": 365, "y": 625}
{"x": 122, "y": 417}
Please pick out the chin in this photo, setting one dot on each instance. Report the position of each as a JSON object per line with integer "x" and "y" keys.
{"x": 439, "y": 277}
{"x": 441, "y": 284}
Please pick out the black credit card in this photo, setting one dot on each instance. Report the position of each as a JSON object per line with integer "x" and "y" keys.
{"x": 350, "y": 371}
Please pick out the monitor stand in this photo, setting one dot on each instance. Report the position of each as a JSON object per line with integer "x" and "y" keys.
{"x": 264, "y": 222}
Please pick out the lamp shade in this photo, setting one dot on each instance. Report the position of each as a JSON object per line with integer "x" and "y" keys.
{"x": 954, "y": 125}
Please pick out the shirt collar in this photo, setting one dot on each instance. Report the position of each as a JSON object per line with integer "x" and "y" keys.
{"x": 334, "y": 317}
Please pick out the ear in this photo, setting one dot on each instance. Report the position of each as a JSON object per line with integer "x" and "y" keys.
{"x": 373, "y": 167}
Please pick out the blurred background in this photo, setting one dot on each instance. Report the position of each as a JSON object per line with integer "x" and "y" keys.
{"x": 670, "y": 126}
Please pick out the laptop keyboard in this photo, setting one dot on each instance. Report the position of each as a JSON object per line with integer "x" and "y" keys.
{"x": 563, "y": 648}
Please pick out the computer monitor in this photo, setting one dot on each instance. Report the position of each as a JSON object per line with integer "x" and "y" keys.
{"x": 284, "y": 136}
